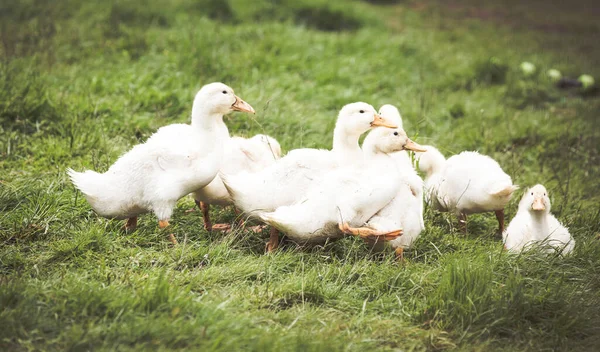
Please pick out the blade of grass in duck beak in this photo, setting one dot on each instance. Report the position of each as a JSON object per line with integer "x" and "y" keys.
{"x": 242, "y": 106}
{"x": 410, "y": 145}
{"x": 381, "y": 121}
{"x": 538, "y": 204}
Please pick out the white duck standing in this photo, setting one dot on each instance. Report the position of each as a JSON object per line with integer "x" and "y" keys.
{"x": 405, "y": 210}
{"x": 288, "y": 180}
{"x": 346, "y": 198}
{"x": 241, "y": 154}
{"x": 534, "y": 223}
{"x": 176, "y": 160}
{"x": 466, "y": 183}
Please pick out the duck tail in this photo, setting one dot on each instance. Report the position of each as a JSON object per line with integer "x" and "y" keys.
{"x": 276, "y": 219}
{"x": 503, "y": 190}
{"x": 90, "y": 183}
{"x": 267, "y": 217}
{"x": 235, "y": 187}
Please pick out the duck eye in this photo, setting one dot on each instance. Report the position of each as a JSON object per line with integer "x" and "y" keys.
{"x": 396, "y": 133}
{"x": 544, "y": 194}
{"x": 362, "y": 111}
{"x": 531, "y": 193}
{"x": 224, "y": 92}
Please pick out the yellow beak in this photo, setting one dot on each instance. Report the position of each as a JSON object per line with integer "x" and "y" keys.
{"x": 242, "y": 106}
{"x": 380, "y": 121}
{"x": 538, "y": 204}
{"x": 410, "y": 145}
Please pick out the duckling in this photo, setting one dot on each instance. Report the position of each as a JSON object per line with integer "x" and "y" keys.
{"x": 348, "y": 196}
{"x": 466, "y": 183}
{"x": 241, "y": 154}
{"x": 288, "y": 179}
{"x": 534, "y": 223}
{"x": 176, "y": 160}
{"x": 405, "y": 210}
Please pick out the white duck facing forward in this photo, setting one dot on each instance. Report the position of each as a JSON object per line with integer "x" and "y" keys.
{"x": 535, "y": 224}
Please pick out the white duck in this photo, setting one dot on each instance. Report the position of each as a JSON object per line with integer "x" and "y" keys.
{"x": 466, "y": 183}
{"x": 288, "y": 180}
{"x": 241, "y": 154}
{"x": 176, "y": 160}
{"x": 534, "y": 223}
{"x": 405, "y": 210}
{"x": 343, "y": 200}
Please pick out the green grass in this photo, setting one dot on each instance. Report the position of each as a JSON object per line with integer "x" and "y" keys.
{"x": 83, "y": 82}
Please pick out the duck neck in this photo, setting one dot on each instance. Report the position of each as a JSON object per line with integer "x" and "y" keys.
{"x": 211, "y": 127}
{"x": 540, "y": 224}
{"x": 345, "y": 146}
{"x": 373, "y": 154}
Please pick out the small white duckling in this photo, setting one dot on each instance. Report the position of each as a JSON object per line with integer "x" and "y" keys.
{"x": 176, "y": 160}
{"x": 534, "y": 223}
{"x": 288, "y": 180}
{"x": 466, "y": 183}
{"x": 347, "y": 197}
{"x": 241, "y": 154}
{"x": 405, "y": 210}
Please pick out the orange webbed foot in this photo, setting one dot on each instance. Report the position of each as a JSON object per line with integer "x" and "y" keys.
{"x": 369, "y": 233}
{"x": 221, "y": 227}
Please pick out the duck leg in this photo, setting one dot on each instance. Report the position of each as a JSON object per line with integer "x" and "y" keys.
{"x": 205, "y": 207}
{"x": 500, "y": 218}
{"x": 399, "y": 252}
{"x": 162, "y": 224}
{"x": 273, "y": 243}
{"x": 462, "y": 222}
{"x": 130, "y": 225}
{"x": 368, "y": 233}
{"x": 208, "y": 226}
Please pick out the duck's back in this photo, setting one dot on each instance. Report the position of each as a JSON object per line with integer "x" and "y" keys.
{"x": 281, "y": 183}
{"x": 241, "y": 155}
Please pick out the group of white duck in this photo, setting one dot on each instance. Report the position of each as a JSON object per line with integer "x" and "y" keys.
{"x": 314, "y": 195}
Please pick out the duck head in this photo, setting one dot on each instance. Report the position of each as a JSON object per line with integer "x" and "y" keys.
{"x": 391, "y": 112}
{"x": 536, "y": 200}
{"x": 358, "y": 118}
{"x": 386, "y": 140}
{"x": 391, "y": 140}
{"x": 219, "y": 98}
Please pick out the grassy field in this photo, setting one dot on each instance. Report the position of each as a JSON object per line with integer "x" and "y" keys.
{"x": 82, "y": 82}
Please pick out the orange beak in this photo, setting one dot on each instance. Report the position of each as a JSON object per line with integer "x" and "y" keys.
{"x": 242, "y": 106}
{"x": 538, "y": 204}
{"x": 410, "y": 145}
{"x": 380, "y": 121}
